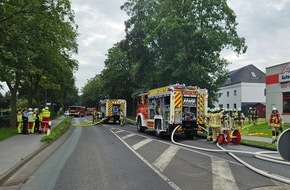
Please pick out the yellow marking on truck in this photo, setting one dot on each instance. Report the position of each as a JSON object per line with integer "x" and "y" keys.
{"x": 200, "y": 108}
{"x": 158, "y": 91}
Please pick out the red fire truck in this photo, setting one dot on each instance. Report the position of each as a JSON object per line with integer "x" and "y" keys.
{"x": 162, "y": 109}
{"x": 76, "y": 111}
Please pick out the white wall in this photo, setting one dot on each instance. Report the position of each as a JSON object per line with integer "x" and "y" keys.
{"x": 253, "y": 92}
{"x": 245, "y": 92}
{"x": 231, "y": 99}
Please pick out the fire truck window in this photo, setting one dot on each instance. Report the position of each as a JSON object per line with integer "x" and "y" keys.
{"x": 151, "y": 108}
{"x": 167, "y": 100}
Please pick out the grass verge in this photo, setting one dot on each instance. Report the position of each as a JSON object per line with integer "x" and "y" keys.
{"x": 58, "y": 131}
{"x": 6, "y": 132}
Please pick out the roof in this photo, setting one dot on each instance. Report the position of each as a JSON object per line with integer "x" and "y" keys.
{"x": 246, "y": 74}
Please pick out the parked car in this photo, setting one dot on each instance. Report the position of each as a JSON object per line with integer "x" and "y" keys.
{"x": 66, "y": 113}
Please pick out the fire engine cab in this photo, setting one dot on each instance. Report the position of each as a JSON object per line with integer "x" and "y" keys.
{"x": 162, "y": 109}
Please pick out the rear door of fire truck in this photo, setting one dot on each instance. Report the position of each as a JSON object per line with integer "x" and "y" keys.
{"x": 189, "y": 112}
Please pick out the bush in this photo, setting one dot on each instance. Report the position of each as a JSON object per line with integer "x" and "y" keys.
{"x": 58, "y": 131}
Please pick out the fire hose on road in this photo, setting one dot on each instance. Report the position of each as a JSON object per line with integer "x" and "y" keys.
{"x": 260, "y": 155}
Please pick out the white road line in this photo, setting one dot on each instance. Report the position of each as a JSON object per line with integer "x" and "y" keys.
{"x": 166, "y": 179}
{"x": 119, "y": 131}
{"x": 141, "y": 143}
{"x": 163, "y": 160}
{"x": 223, "y": 178}
{"x": 127, "y": 136}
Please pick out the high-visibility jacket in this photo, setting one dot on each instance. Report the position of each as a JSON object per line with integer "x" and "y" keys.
{"x": 30, "y": 117}
{"x": 19, "y": 116}
{"x": 46, "y": 115}
{"x": 275, "y": 120}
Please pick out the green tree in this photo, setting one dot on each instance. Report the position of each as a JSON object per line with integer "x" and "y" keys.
{"x": 92, "y": 92}
{"x": 37, "y": 38}
{"x": 185, "y": 38}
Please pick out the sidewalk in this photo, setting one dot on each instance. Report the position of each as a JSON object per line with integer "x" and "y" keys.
{"x": 16, "y": 149}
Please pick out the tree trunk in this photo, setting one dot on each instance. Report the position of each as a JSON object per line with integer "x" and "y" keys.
{"x": 13, "y": 90}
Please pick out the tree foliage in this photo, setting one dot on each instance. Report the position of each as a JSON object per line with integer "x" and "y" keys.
{"x": 184, "y": 39}
{"x": 37, "y": 40}
{"x": 171, "y": 42}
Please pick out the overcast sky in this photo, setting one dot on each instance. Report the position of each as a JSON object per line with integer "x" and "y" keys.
{"x": 265, "y": 24}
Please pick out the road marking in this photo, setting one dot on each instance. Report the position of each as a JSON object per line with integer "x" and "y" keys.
{"x": 164, "y": 159}
{"x": 164, "y": 177}
{"x": 141, "y": 143}
{"x": 127, "y": 136}
{"x": 119, "y": 131}
{"x": 222, "y": 175}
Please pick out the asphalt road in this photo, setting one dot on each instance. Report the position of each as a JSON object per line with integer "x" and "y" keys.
{"x": 114, "y": 157}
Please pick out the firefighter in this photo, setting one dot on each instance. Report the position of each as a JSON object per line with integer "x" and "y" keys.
{"x": 239, "y": 118}
{"x": 207, "y": 123}
{"x": 275, "y": 122}
{"x": 94, "y": 116}
{"x": 250, "y": 113}
{"x": 215, "y": 123}
{"x": 36, "y": 121}
{"x": 40, "y": 130}
{"x": 30, "y": 120}
{"x": 19, "y": 121}
{"x": 46, "y": 119}
{"x": 255, "y": 115}
{"x": 24, "y": 122}
{"x": 122, "y": 117}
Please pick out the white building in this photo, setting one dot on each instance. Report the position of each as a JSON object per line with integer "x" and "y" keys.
{"x": 278, "y": 90}
{"x": 244, "y": 88}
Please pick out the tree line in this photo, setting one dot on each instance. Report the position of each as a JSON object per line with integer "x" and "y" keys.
{"x": 168, "y": 42}
{"x": 37, "y": 41}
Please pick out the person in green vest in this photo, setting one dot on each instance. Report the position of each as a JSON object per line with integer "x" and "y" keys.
{"x": 30, "y": 120}
{"x": 19, "y": 121}
{"x": 40, "y": 130}
{"x": 46, "y": 119}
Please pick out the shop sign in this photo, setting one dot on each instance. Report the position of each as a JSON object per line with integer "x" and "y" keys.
{"x": 285, "y": 87}
{"x": 285, "y": 74}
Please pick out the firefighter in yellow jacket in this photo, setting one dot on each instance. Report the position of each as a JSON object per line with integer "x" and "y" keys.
{"x": 207, "y": 123}
{"x": 122, "y": 117}
{"x": 239, "y": 118}
{"x": 46, "y": 119}
{"x": 276, "y": 123}
{"x": 216, "y": 123}
{"x": 19, "y": 121}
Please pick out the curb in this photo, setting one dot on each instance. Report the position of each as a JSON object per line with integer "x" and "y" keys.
{"x": 8, "y": 174}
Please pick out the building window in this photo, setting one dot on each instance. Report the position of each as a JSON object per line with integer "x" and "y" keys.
{"x": 229, "y": 80}
{"x": 265, "y": 92}
{"x": 228, "y": 93}
{"x": 253, "y": 74}
{"x": 286, "y": 102}
{"x": 235, "y": 106}
{"x": 228, "y": 106}
{"x": 235, "y": 92}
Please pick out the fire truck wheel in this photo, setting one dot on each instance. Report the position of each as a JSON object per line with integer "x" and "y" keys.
{"x": 139, "y": 126}
{"x": 237, "y": 139}
{"x": 220, "y": 139}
